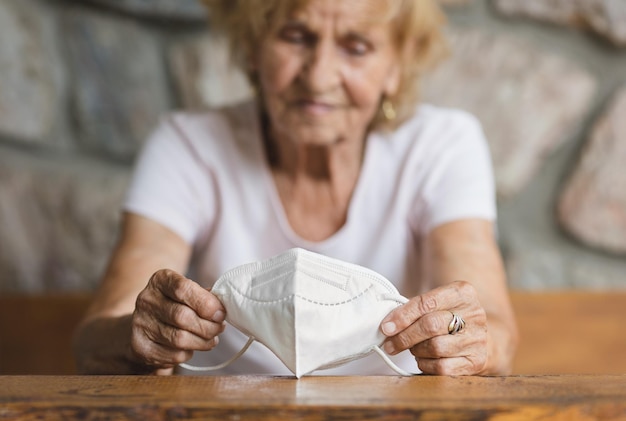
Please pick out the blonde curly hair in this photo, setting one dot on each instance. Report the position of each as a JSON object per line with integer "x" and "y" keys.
{"x": 417, "y": 30}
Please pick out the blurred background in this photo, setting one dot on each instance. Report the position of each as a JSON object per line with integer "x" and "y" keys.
{"x": 82, "y": 83}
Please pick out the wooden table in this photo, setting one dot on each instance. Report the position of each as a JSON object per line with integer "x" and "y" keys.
{"x": 567, "y": 332}
{"x": 313, "y": 398}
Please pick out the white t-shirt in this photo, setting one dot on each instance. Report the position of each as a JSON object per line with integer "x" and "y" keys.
{"x": 205, "y": 176}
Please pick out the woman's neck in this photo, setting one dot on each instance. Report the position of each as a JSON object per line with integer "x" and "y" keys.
{"x": 315, "y": 182}
{"x": 330, "y": 163}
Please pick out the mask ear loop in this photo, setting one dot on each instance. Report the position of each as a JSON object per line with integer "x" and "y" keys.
{"x": 222, "y": 365}
{"x": 401, "y": 300}
{"x": 391, "y": 364}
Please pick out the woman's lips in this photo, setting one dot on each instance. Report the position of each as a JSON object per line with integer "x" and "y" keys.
{"x": 315, "y": 108}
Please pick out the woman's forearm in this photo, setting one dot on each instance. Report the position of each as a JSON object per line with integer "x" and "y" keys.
{"x": 102, "y": 346}
{"x": 466, "y": 250}
{"x": 102, "y": 342}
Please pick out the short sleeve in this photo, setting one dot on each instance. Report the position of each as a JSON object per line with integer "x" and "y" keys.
{"x": 170, "y": 185}
{"x": 460, "y": 181}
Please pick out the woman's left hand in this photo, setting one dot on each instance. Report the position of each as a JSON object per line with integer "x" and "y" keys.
{"x": 421, "y": 325}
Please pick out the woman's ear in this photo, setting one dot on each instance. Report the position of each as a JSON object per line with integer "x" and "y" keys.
{"x": 392, "y": 83}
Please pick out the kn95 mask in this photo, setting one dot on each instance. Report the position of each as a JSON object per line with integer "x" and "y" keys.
{"x": 313, "y": 312}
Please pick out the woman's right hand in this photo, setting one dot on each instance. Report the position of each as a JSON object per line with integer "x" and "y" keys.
{"x": 173, "y": 317}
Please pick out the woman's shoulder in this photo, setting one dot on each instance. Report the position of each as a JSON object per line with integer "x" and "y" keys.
{"x": 448, "y": 126}
{"x": 442, "y": 118}
{"x": 207, "y": 122}
{"x": 434, "y": 132}
{"x": 211, "y": 134}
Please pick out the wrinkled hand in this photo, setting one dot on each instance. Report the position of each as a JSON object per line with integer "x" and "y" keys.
{"x": 421, "y": 325}
{"x": 173, "y": 317}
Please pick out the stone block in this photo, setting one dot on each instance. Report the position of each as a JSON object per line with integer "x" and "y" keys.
{"x": 164, "y": 9}
{"x": 555, "y": 11}
{"x": 540, "y": 266}
{"x": 204, "y": 74}
{"x": 592, "y": 206}
{"x": 528, "y": 101}
{"x": 120, "y": 86}
{"x": 58, "y": 221}
{"x": 605, "y": 17}
{"x": 31, "y": 73}
{"x": 454, "y": 2}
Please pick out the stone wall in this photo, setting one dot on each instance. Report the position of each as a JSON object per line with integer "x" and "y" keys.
{"x": 82, "y": 83}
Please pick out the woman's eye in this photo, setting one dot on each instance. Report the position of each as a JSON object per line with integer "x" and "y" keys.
{"x": 357, "y": 47}
{"x": 293, "y": 35}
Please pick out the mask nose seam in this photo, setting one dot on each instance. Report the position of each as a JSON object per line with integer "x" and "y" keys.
{"x": 356, "y": 297}
{"x": 400, "y": 299}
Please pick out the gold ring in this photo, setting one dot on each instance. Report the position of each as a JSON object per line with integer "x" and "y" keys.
{"x": 456, "y": 324}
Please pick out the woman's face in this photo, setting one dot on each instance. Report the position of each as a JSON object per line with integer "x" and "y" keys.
{"x": 324, "y": 69}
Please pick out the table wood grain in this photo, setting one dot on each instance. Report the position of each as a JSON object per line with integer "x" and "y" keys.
{"x": 565, "y": 332}
{"x": 313, "y": 398}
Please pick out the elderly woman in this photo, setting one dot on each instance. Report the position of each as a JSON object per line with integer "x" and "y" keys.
{"x": 334, "y": 155}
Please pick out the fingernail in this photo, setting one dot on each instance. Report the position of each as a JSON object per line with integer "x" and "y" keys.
{"x": 389, "y": 328}
{"x": 389, "y": 348}
{"x": 216, "y": 340}
{"x": 218, "y": 317}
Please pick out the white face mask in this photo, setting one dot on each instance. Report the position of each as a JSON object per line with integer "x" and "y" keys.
{"x": 312, "y": 311}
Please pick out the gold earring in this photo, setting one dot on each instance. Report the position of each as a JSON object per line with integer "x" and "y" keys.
{"x": 388, "y": 110}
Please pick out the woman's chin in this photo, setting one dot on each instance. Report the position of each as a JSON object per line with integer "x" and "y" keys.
{"x": 305, "y": 133}
{"x": 319, "y": 139}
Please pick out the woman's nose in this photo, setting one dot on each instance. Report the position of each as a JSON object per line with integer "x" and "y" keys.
{"x": 321, "y": 70}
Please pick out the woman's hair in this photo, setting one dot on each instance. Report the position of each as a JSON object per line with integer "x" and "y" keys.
{"x": 417, "y": 30}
